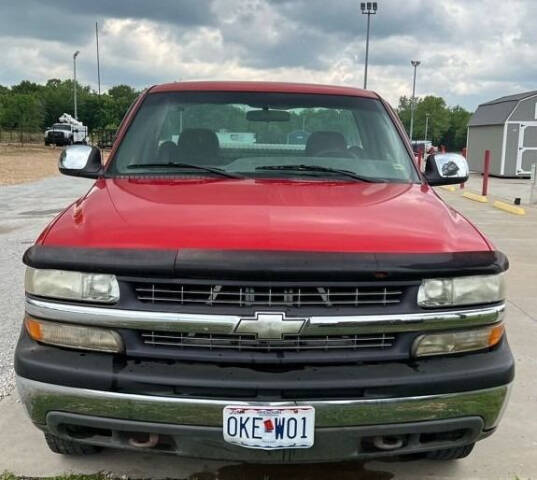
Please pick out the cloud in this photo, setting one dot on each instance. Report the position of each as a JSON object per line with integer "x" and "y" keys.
{"x": 471, "y": 51}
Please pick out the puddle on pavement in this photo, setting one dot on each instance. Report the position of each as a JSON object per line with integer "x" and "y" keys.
{"x": 41, "y": 213}
{"x": 322, "y": 471}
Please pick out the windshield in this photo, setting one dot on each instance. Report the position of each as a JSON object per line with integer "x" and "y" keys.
{"x": 264, "y": 135}
{"x": 61, "y": 126}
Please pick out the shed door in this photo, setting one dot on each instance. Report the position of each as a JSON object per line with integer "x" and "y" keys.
{"x": 527, "y": 148}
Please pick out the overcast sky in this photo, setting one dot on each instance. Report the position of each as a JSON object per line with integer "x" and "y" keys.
{"x": 471, "y": 50}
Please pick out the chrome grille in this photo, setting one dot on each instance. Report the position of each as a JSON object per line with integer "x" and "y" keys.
{"x": 294, "y": 343}
{"x": 267, "y": 296}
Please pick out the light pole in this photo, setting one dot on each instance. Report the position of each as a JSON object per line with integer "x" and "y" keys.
{"x": 74, "y": 81}
{"x": 415, "y": 64}
{"x": 427, "y": 115}
{"x": 98, "y": 59}
{"x": 368, "y": 8}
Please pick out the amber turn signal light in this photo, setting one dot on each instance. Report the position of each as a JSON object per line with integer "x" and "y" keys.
{"x": 458, "y": 341}
{"x": 79, "y": 337}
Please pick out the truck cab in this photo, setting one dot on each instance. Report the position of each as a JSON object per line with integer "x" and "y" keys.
{"x": 263, "y": 300}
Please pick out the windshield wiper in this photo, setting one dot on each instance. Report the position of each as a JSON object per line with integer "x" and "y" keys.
{"x": 216, "y": 171}
{"x": 316, "y": 168}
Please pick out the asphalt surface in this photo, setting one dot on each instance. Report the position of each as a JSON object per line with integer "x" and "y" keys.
{"x": 508, "y": 454}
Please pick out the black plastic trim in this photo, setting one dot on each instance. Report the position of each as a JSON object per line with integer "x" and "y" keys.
{"x": 100, "y": 260}
{"x": 330, "y": 443}
{"x": 266, "y": 265}
{"x": 100, "y": 371}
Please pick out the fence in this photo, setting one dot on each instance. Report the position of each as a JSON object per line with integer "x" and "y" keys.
{"x": 20, "y": 136}
{"x": 103, "y": 137}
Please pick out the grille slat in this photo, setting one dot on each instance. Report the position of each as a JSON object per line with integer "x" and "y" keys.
{"x": 273, "y": 303}
{"x": 295, "y": 343}
{"x": 298, "y": 293}
{"x": 267, "y": 296}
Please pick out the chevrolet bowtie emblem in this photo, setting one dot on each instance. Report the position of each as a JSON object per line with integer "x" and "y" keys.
{"x": 270, "y": 325}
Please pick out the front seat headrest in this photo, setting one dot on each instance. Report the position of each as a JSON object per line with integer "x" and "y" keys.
{"x": 167, "y": 152}
{"x": 198, "y": 143}
{"x": 325, "y": 141}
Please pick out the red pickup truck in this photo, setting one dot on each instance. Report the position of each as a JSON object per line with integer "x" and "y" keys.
{"x": 261, "y": 273}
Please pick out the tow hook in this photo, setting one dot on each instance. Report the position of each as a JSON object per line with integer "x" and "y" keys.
{"x": 152, "y": 441}
{"x": 388, "y": 442}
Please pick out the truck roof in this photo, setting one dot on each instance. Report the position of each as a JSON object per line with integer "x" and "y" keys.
{"x": 280, "y": 87}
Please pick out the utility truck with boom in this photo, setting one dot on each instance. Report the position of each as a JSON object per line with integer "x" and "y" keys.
{"x": 67, "y": 131}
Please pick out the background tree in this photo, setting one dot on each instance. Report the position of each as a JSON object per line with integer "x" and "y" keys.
{"x": 34, "y": 107}
{"x": 447, "y": 125}
{"x": 455, "y": 137}
{"x": 23, "y": 112}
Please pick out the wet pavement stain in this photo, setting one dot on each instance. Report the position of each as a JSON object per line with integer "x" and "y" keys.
{"x": 321, "y": 471}
{"x": 41, "y": 213}
{"x": 4, "y": 230}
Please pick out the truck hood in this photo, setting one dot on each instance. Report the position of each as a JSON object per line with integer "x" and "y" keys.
{"x": 255, "y": 214}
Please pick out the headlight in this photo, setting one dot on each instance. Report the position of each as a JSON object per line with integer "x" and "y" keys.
{"x": 447, "y": 292}
{"x": 84, "y": 287}
{"x": 458, "y": 341}
{"x": 73, "y": 336}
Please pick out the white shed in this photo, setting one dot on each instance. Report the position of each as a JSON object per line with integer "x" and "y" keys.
{"x": 507, "y": 127}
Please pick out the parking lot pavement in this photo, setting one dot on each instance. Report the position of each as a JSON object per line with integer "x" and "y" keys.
{"x": 508, "y": 454}
{"x": 506, "y": 189}
{"x": 24, "y": 210}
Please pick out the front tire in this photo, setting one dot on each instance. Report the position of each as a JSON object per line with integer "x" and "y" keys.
{"x": 68, "y": 447}
{"x": 451, "y": 453}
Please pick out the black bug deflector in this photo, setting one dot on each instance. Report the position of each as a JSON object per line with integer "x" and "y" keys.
{"x": 266, "y": 265}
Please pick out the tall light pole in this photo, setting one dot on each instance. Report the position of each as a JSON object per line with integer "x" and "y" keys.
{"x": 98, "y": 59}
{"x": 74, "y": 81}
{"x": 368, "y": 8}
{"x": 415, "y": 64}
{"x": 427, "y": 115}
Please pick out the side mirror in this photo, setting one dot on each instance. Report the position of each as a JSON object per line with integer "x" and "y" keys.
{"x": 446, "y": 169}
{"x": 81, "y": 161}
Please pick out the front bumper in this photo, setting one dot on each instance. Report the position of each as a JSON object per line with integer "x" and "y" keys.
{"x": 193, "y": 427}
{"x": 57, "y": 140}
{"x": 103, "y": 399}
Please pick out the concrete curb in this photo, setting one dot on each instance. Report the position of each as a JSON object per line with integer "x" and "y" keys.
{"x": 515, "y": 210}
{"x": 475, "y": 197}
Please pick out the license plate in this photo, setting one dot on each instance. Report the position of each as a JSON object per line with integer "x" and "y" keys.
{"x": 269, "y": 428}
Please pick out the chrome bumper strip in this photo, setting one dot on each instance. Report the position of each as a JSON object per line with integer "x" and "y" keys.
{"x": 42, "y": 398}
{"x": 226, "y": 324}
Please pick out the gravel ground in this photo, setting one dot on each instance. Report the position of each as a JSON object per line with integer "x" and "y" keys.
{"x": 24, "y": 210}
{"x": 19, "y": 164}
